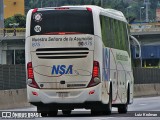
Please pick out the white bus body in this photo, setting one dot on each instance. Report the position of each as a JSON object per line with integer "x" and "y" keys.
{"x": 68, "y": 65}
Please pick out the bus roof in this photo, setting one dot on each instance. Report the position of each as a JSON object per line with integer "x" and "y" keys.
{"x": 107, "y": 12}
{"x": 115, "y": 14}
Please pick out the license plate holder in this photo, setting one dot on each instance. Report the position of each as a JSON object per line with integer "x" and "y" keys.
{"x": 63, "y": 94}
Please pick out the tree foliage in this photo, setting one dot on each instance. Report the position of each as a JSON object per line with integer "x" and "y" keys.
{"x": 18, "y": 19}
{"x": 122, "y": 5}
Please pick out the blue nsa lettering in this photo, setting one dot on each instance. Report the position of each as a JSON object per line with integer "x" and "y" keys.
{"x": 62, "y": 69}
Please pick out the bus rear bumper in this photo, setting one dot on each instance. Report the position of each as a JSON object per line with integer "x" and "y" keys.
{"x": 65, "y": 96}
{"x": 71, "y": 106}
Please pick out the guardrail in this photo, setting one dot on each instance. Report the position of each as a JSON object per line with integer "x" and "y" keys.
{"x": 12, "y": 32}
{"x": 145, "y": 27}
{"x": 13, "y": 85}
{"x": 146, "y": 75}
{"x": 14, "y": 76}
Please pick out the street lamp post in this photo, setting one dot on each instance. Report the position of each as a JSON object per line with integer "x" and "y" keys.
{"x": 128, "y": 11}
{"x": 101, "y": 3}
{"x": 141, "y": 13}
{"x": 41, "y": 3}
{"x": 1, "y": 14}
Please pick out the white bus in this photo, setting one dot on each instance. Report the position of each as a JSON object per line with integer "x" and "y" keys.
{"x": 78, "y": 57}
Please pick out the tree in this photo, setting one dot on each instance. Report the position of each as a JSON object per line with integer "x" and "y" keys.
{"x": 93, "y": 3}
{"x": 120, "y": 5}
{"x": 18, "y": 18}
{"x": 82, "y": 2}
{"x": 99, "y": 3}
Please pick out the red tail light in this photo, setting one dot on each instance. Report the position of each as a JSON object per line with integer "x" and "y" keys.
{"x": 89, "y": 9}
{"x": 35, "y": 10}
{"x": 30, "y": 71}
{"x": 95, "y": 69}
{"x": 95, "y": 75}
{"x": 31, "y": 81}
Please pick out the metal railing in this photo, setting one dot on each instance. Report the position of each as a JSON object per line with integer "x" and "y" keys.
{"x": 146, "y": 75}
{"x": 14, "y": 76}
{"x": 145, "y": 27}
{"x": 12, "y": 32}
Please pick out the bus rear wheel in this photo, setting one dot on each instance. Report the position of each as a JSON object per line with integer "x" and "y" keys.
{"x": 108, "y": 109}
{"x": 96, "y": 112}
{"x": 66, "y": 112}
{"x": 42, "y": 110}
{"x": 53, "y": 113}
{"x": 124, "y": 107}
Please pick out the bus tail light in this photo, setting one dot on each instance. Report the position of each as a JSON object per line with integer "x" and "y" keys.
{"x": 89, "y": 9}
{"x": 95, "y": 75}
{"x": 35, "y": 10}
{"x": 31, "y": 81}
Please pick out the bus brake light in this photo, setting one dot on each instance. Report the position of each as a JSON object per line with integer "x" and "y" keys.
{"x": 95, "y": 69}
{"x": 31, "y": 81}
{"x": 95, "y": 75}
{"x": 35, "y": 10}
{"x": 89, "y": 9}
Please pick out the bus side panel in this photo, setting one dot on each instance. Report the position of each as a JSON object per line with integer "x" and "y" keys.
{"x": 120, "y": 74}
{"x": 27, "y": 39}
{"x": 106, "y": 75}
{"x": 98, "y": 56}
{"x": 113, "y": 77}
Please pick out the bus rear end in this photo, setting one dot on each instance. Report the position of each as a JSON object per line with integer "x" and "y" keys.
{"x": 61, "y": 70}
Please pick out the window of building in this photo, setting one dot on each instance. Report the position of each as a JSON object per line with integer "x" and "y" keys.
{"x": 15, "y": 57}
{"x": 150, "y": 63}
{"x": 10, "y": 57}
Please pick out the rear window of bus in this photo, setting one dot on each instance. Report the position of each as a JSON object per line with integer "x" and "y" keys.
{"x": 50, "y": 21}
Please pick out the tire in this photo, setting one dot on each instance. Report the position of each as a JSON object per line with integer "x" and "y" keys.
{"x": 96, "y": 112}
{"x": 105, "y": 109}
{"x": 66, "y": 112}
{"x": 124, "y": 107}
{"x": 108, "y": 111}
{"x": 41, "y": 110}
{"x": 53, "y": 113}
{"x": 44, "y": 114}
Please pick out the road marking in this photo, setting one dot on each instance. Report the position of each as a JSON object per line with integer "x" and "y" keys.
{"x": 103, "y": 118}
{"x": 142, "y": 104}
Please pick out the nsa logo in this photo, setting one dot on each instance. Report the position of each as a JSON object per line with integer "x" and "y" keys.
{"x": 62, "y": 69}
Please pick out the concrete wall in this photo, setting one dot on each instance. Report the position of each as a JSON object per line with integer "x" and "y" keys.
{"x": 141, "y": 90}
{"x": 13, "y": 98}
{"x": 18, "y": 98}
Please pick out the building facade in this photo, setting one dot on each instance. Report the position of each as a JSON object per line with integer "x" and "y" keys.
{"x": 12, "y": 7}
{"x": 148, "y": 36}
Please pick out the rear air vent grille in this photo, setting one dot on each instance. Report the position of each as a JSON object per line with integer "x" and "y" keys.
{"x": 61, "y": 53}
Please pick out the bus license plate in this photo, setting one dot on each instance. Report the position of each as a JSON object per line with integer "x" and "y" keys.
{"x": 63, "y": 94}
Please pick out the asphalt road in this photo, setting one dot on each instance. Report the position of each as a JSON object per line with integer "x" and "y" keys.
{"x": 147, "y": 108}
